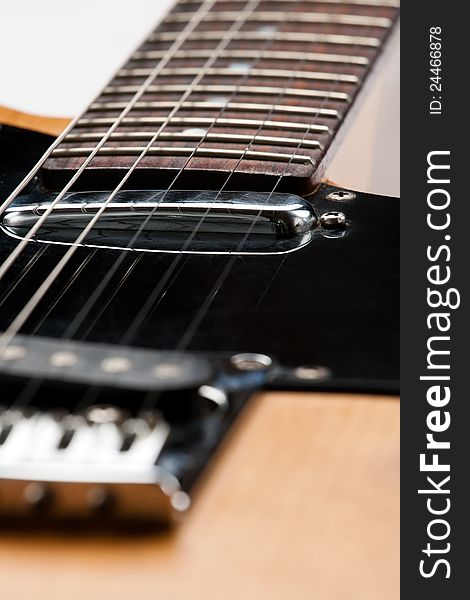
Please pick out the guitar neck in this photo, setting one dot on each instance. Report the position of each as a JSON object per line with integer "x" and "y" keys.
{"x": 250, "y": 91}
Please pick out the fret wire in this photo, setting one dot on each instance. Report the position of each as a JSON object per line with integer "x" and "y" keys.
{"x": 197, "y": 121}
{"x": 231, "y": 138}
{"x": 299, "y": 17}
{"x": 181, "y": 151}
{"x": 220, "y": 89}
{"x": 235, "y": 106}
{"x": 362, "y": 61}
{"x": 236, "y": 72}
{"x": 278, "y": 36}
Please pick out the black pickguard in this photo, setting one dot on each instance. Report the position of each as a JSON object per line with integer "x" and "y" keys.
{"x": 333, "y": 303}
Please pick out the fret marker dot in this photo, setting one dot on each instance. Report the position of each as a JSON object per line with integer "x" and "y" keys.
{"x": 267, "y": 28}
{"x": 218, "y": 99}
{"x": 240, "y": 66}
{"x": 195, "y": 131}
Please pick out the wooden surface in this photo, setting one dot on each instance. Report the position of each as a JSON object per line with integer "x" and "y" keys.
{"x": 302, "y": 503}
{"x": 49, "y": 125}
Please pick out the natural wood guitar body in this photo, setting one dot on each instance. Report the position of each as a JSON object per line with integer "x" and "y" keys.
{"x": 48, "y": 125}
{"x": 302, "y": 502}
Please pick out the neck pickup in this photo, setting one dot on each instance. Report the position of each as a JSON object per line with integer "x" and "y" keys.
{"x": 190, "y": 222}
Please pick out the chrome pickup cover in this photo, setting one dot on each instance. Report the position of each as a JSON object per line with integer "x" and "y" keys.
{"x": 168, "y": 221}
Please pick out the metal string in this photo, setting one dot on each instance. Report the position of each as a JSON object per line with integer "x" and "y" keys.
{"x": 197, "y": 319}
{"x": 160, "y": 290}
{"x": 149, "y": 304}
{"x": 185, "y": 340}
{"x": 80, "y": 317}
{"x": 152, "y": 397}
{"x": 147, "y": 307}
{"x": 194, "y": 21}
{"x": 26, "y": 269}
{"x": 35, "y": 299}
{"x": 23, "y": 315}
{"x": 165, "y": 278}
{"x": 142, "y": 314}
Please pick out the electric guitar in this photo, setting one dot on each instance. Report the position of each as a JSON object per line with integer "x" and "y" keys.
{"x": 199, "y": 333}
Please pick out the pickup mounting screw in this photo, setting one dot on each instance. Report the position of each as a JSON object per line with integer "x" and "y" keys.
{"x": 251, "y": 362}
{"x": 341, "y": 196}
{"x": 13, "y": 353}
{"x": 333, "y": 219}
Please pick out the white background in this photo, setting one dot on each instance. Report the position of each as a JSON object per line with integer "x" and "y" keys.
{"x": 56, "y": 55}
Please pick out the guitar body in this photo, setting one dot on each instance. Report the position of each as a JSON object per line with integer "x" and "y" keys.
{"x": 294, "y": 489}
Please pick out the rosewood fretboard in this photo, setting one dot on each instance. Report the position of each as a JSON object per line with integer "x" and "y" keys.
{"x": 256, "y": 89}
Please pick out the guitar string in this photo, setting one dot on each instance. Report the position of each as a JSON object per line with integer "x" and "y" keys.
{"x": 162, "y": 288}
{"x": 148, "y": 304}
{"x": 93, "y": 299}
{"x": 191, "y": 330}
{"x": 154, "y": 296}
{"x": 29, "y": 307}
{"x": 32, "y": 385}
{"x": 183, "y": 167}
{"x": 268, "y": 43}
{"x": 126, "y": 274}
{"x": 37, "y": 225}
{"x": 32, "y": 388}
{"x": 151, "y": 398}
{"x": 192, "y": 24}
{"x": 139, "y": 319}
{"x": 20, "y": 277}
{"x": 141, "y": 316}
{"x": 4, "y": 267}
{"x": 172, "y": 51}
{"x": 228, "y": 268}
{"x": 23, "y": 315}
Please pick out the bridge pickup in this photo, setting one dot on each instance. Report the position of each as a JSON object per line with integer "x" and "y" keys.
{"x": 91, "y": 363}
{"x": 172, "y": 221}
